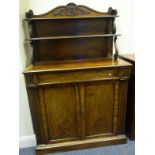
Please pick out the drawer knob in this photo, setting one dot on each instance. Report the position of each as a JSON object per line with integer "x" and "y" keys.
{"x": 110, "y": 74}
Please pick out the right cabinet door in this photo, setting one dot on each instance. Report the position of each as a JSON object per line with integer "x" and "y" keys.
{"x": 101, "y": 107}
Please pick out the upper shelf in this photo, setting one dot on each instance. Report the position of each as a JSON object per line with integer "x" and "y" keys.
{"x": 88, "y": 35}
{"x": 72, "y": 37}
{"x": 71, "y": 11}
{"x": 79, "y": 17}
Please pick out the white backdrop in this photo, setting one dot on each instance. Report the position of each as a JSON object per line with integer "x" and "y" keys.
{"x": 124, "y": 24}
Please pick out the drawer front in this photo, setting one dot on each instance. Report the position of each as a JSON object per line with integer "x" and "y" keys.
{"x": 77, "y": 76}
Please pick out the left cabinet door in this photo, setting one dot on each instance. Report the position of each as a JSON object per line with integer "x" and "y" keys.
{"x": 59, "y": 111}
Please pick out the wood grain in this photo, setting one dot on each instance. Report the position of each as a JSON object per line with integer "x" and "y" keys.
{"x": 115, "y": 107}
{"x": 99, "y": 107}
{"x": 36, "y": 115}
{"x": 65, "y": 49}
{"x": 68, "y": 33}
{"x": 130, "y": 117}
{"x": 73, "y": 65}
{"x": 68, "y": 146}
{"x": 79, "y": 110}
{"x": 82, "y": 115}
{"x": 61, "y": 110}
{"x": 71, "y": 11}
{"x": 122, "y": 106}
{"x": 77, "y": 76}
{"x": 77, "y": 90}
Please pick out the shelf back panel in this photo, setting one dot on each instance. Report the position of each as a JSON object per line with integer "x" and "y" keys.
{"x": 71, "y": 27}
{"x": 73, "y": 49}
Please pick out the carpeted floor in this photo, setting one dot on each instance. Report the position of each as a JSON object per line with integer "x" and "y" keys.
{"x": 125, "y": 149}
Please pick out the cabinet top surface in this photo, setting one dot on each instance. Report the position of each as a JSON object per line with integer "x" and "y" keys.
{"x": 76, "y": 65}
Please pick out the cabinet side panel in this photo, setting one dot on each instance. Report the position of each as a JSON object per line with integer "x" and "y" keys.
{"x": 99, "y": 107}
{"x": 122, "y": 106}
{"x": 60, "y": 103}
{"x": 36, "y": 114}
{"x": 130, "y": 120}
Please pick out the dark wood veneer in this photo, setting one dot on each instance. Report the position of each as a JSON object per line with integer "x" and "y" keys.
{"x": 130, "y": 118}
{"x": 76, "y": 87}
{"x": 54, "y": 35}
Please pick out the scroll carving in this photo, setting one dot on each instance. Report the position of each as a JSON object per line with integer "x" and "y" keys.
{"x": 29, "y": 14}
{"x": 71, "y": 10}
{"x": 116, "y": 48}
{"x": 112, "y": 11}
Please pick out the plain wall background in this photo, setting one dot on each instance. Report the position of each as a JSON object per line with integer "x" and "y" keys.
{"x": 124, "y": 24}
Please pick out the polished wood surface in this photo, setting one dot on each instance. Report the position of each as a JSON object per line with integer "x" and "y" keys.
{"x": 73, "y": 65}
{"x": 61, "y": 116}
{"x": 68, "y": 33}
{"x": 78, "y": 103}
{"x": 77, "y": 90}
{"x": 72, "y": 37}
{"x": 68, "y": 146}
{"x": 97, "y": 95}
{"x": 130, "y": 121}
{"x": 71, "y": 11}
{"x": 54, "y": 50}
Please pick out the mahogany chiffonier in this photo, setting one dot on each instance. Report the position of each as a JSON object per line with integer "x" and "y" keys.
{"x": 130, "y": 116}
{"x": 77, "y": 88}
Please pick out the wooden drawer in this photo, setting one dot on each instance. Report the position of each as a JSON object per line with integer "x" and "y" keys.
{"x": 77, "y": 76}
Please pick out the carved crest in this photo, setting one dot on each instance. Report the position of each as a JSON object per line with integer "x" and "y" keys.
{"x": 70, "y": 10}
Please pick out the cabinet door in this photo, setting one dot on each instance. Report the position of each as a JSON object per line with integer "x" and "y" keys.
{"x": 59, "y": 112}
{"x": 101, "y": 107}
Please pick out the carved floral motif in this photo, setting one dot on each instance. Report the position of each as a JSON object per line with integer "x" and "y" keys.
{"x": 70, "y": 10}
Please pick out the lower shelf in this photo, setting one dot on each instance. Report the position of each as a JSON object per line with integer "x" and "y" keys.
{"x": 81, "y": 144}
